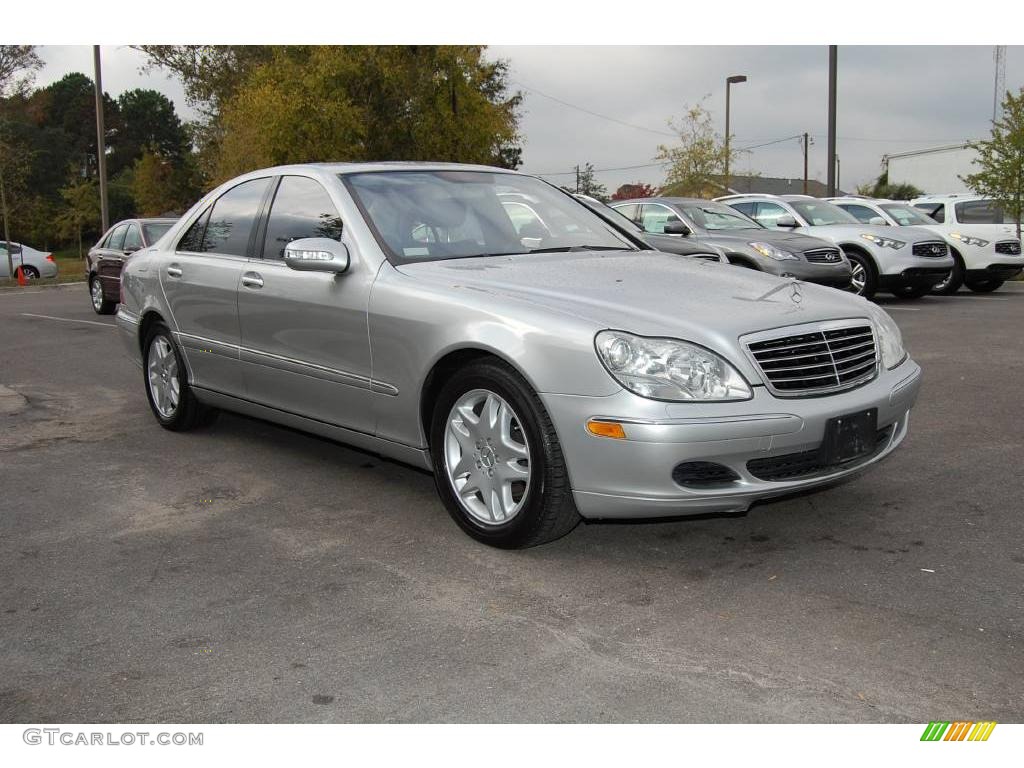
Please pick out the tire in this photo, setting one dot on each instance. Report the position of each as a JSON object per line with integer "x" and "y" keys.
{"x": 911, "y": 291}
{"x": 983, "y": 286}
{"x": 952, "y": 282}
{"x": 543, "y": 510}
{"x": 864, "y": 280}
{"x": 100, "y": 304}
{"x": 30, "y": 272}
{"x": 178, "y": 414}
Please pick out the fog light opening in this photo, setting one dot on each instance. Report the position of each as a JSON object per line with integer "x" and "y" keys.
{"x": 703, "y": 474}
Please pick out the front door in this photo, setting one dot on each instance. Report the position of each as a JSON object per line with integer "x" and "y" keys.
{"x": 304, "y": 341}
{"x": 201, "y": 280}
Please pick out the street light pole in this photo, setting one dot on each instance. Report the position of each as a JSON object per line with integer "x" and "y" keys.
{"x": 728, "y": 85}
{"x": 101, "y": 143}
{"x": 833, "y": 56}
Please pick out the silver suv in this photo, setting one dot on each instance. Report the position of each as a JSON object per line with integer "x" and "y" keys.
{"x": 543, "y": 377}
{"x": 907, "y": 264}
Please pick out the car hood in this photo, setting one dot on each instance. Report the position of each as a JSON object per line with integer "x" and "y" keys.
{"x": 790, "y": 241}
{"x": 853, "y": 232}
{"x": 648, "y": 293}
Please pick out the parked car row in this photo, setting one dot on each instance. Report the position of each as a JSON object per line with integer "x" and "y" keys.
{"x": 533, "y": 350}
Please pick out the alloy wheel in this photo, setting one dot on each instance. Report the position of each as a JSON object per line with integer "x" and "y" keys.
{"x": 162, "y": 368}
{"x": 487, "y": 457}
{"x": 96, "y": 291}
{"x": 858, "y": 277}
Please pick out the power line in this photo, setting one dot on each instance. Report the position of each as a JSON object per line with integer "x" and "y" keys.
{"x": 527, "y": 88}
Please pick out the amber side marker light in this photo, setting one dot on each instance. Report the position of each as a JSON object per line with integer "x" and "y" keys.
{"x": 606, "y": 429}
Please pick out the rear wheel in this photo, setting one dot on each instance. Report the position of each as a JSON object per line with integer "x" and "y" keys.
{"x": 911, "y": 291}
{"x": 983, "y": 286}
{"x": 951, "y": 283}
{"x": 30, "y": 272}
{"x": 101, "y": 305}
{"x": 170, "y": 396}
{"x": 863, "y": 277}
{"x": 498, "y": 465}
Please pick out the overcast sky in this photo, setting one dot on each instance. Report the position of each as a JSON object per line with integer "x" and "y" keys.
{"x": 891, "y": 99}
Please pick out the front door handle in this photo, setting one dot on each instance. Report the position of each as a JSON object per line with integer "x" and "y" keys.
{"x": 252, "y": 280}
{"x": 174, "y": 270}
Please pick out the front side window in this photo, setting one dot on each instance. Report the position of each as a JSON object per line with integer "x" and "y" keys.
{"x": 767, "y": 214}
{"x": 819, "y": 213}
{"x": 430, "y": 215}
{"x": 116, "y": 241}
{"x": 906, "y": 215}
{"x": 628, "y": 210}
{"x": 15, "y": 248}
{"x": 233, "y": 217}
{"x": 716, "y": 217}
{"x": 936, "y": 211}
{"x": 860, "y": 212}
{"x": 132, "y": 238}
{"x": 980, "y": 212}
{"x": 653, "y": 218}
{"x": 301, "y": 208}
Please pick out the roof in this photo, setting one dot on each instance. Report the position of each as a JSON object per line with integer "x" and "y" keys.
{"x": 393, "y": 165}
{"x": 774, "y": 185}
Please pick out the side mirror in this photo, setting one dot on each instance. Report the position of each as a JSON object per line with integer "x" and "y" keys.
{"x": 676, "y": 228}
{"x": 786, "y": 222}
{"x": 878, "y": 221}
{"x": 316, "y": 254}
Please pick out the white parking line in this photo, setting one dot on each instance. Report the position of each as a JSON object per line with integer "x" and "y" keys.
{"x": 69, "y": 320}
{"x": 900, "y": 309}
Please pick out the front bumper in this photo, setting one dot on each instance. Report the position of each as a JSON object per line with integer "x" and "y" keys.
{"x": 903, "y": 263}
{"x": 633, "y": 477}
{"x": 837, "y": 274}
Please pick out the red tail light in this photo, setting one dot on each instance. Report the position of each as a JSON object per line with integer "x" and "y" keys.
{"x": 49, "y": 257}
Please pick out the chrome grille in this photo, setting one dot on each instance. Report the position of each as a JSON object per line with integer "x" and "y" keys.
{"x": 1008, "y": 248}
{"x": 818, "y": 361}
{"x": 824, "y": 256}
{"x": 932, "y": 249}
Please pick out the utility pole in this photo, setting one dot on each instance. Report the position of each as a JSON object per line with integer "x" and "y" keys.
{"x": 728, "y": 84}
{"x": 837, "y": 175}
{"x": 833, "y": 56}
{"x": 999, "y": 56}
{"x": 577, "y": 179}
{"x": 101, "y": 140}
{"x": 806, "y": 141}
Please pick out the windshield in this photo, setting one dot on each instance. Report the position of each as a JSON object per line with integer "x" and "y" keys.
{"x": 715, "y": 218}
{"x": 906, "y": 215}
{"x": 818, "y": 213}
{"x": 430, "y": 215}
{"x": 154, "y": 231}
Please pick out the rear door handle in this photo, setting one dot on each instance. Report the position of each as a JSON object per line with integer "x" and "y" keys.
{"x": 252, "y": 280}
{"x": 174, "y": 270}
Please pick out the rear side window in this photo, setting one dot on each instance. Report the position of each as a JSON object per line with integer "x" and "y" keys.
{"x": 154, "y": 232}
{"x": 116, "y": 241}
{"x": 980, "y": 212}
{"x": 193, "y": 239}
{"x": 233, "y": 217}
{"x": 936, "y": 210}
{"x": 301, "y": 208}
{"x": 133, "y": 238}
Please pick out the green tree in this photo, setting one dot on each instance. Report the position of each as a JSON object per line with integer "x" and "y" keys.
{"x": 697, "y": 159}
{"x": 882, "y": 189}
{"x": 587, "y": 184}
{"x": 81, "y": 209}
{"x": 160, "y": 186}
{"x": 1000, "y": 161}
{"x": 148, "y": 121}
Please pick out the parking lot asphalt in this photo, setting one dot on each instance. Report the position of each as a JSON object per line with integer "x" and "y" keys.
{"x": 248, "y": 573}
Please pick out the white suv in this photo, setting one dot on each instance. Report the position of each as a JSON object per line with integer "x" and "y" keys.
{"x": 982, "y": 238}
{"x": 906, "y": 266}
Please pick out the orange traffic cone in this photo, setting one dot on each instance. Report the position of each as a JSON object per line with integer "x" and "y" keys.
{"x": 21, "y": 276}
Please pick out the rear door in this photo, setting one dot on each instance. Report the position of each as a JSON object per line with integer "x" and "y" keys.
{"x": 200, "y": 281}
{"x": 304, "y": 339}
{"x": 110, "y": 259}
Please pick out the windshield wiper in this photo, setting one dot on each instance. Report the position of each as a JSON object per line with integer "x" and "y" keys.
{"x": 574, "y": 248}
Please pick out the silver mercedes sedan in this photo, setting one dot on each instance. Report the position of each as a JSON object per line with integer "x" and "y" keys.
{"x": 545, "y": 365}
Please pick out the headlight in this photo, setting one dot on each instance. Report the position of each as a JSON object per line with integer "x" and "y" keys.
{"x": 769, "y": 250}
{"x": 968, "y": 240}
{"x": 884, "y": 242}
{"x": 890, "y": 340}
{"x": 667, "y": 369}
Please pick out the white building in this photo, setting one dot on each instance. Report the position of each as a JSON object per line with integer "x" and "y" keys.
{"x": 935, "y": 171}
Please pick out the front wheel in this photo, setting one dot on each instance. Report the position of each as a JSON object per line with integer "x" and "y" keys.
{"x": 498, "y": 465}
{"x": 170, "y": 396}
{"x": 951, "y": 283}
{"x": 30, "y": 272}
{"x": 100, "y": 304}
{"x": 863, "y": 277}
{"x": 983, "y": 286}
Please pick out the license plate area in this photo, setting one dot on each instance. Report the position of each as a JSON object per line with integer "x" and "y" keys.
{"x": 849, "y": 437}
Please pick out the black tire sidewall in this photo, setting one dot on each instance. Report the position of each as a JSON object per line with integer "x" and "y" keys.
{"x": 509, "y": 385}
{"x": 956, "y": 279}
